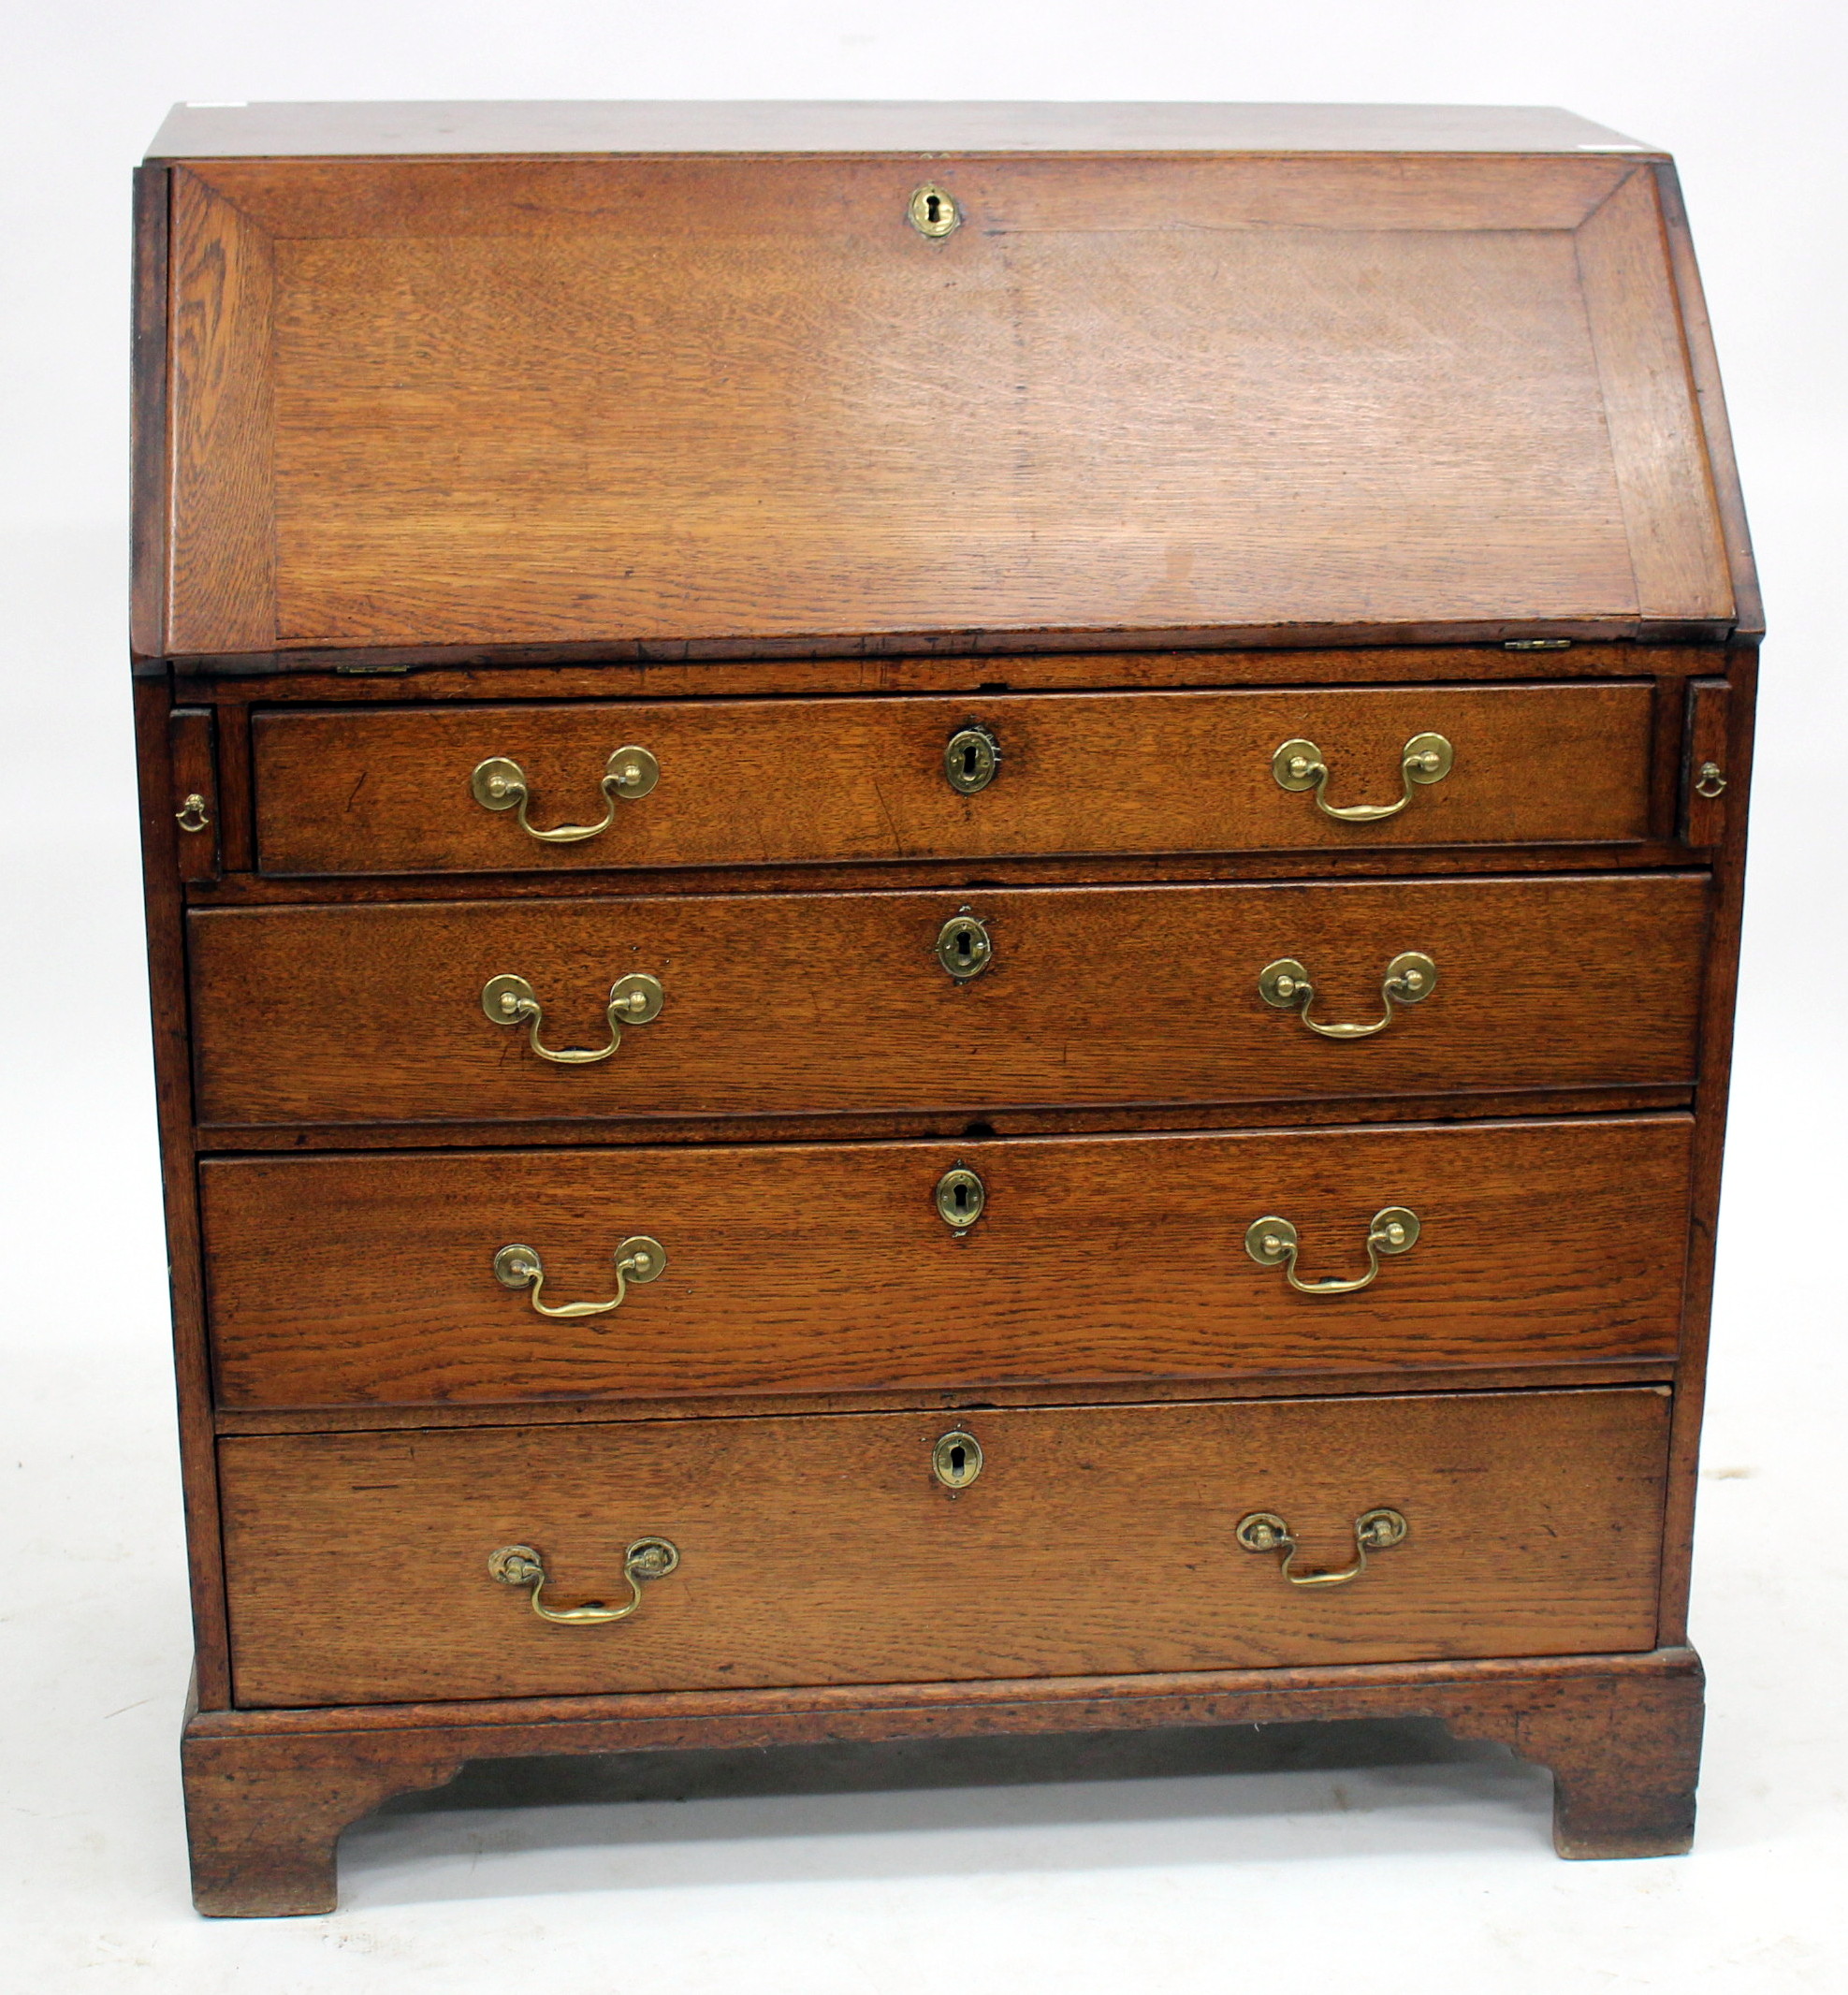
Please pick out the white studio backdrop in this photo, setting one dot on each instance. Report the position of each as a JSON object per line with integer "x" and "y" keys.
{"x": 1433, "y": 1879}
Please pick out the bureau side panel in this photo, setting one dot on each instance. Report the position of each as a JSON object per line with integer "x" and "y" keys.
{"x": 1717, "y": 1002}
{"x": 167, "y": 975}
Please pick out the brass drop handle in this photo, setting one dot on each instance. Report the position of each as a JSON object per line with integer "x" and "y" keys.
{"x": 1374, "y": 1531}
{"x": 1410, "y": 979}
{"x": 639, "y": 1258}
{"x": 501, "y": 784}
{"x": 635, "y": 999}
{"x": 1297, "y": 764}
{"x": 1271, "y": 1242}
{"x": 646, "y": 1558}
{"x": 193, "y": 815}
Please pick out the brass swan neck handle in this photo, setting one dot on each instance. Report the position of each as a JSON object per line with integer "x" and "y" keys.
{"x": 635, "y": 999}
{"x": 1374, "y": 1531}
{"x": 500, "y": 784}
{"x": 1271, "y": 1242}
{"x": 646, "y": 1558}
{"x": 638, "y": 1260}
{"x": 1297, "y": 764}
{"x": 1410, "y": 979}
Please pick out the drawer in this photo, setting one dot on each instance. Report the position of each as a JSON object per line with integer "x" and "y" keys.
{"x": 821, "y": 1550}
{"x": 824, "y": 1003}
{"x": 818, "y": 1267}
{"x": 768, "y": 782}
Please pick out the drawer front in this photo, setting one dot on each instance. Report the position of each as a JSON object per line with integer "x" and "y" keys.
{"x": 755, "y": 783}
{"x": 793, "y": 1268}
{"x": 821, "y": 1550}
{"x": 838, "y": 1002}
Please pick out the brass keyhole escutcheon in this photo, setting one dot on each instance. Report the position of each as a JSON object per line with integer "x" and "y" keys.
{"x": 960, "y": 1198}
{"x": 971, "y": 759}
{"x": 964, "y": 947}
{"x": 956, "y": 1460}
{"x": 933, "y": 213}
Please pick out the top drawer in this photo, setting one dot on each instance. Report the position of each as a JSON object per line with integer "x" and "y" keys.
{"x": 769, "y": 782}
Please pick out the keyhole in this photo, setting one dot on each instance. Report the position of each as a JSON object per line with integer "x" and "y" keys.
{"x": 961, "y": 1196}
{"x": 968, "y": 758}
{"x": 963, "y": 944}
{"x": 932, "y": 213}
{"x": 956, "y": 1459}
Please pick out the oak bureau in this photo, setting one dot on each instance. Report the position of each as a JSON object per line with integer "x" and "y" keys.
{"x": 942, "y": 903}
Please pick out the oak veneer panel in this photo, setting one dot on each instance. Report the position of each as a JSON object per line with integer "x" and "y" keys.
{"x": 826, "y": 1267}
{"x": 222, "y": 576}
{"x": 356, "y": 791}
{"x": 741, "y": 399}
{"x": 819, "y": 1550}
{"x": 1677, "y": 547}
{"x": 820, "y": 1003}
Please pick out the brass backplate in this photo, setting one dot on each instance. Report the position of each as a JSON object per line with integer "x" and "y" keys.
{"x": 1296, "y": 765}
{"x": 632, "y": 771}
{"x": 1281, "y": 984}
{"x": 956, "y": 1459}
{"x": 641, "y": 1258}
{"x": 1395, "y": 1229}
{"x": 508, "y": 999}
{"x": 498, "y": 784}
{"x": 637, "y": 998}
{"x": 1429, "y": 758}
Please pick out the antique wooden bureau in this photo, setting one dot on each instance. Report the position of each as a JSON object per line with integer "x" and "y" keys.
{"x": 942, "y": 904}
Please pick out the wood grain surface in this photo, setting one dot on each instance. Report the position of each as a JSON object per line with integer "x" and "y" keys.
{"x": 821, "y": 1550}
{"x": 743, "y": 398}
{"x": 797, "y": 1267}
{"x": 749, "y": 782}
{"x": 810, "y": 1003}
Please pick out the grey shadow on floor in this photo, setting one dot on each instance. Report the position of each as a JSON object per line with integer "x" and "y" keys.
{"x": 930, "y": 1807}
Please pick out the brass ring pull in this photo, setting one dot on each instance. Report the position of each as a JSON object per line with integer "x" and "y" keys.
{"x": 646, "y": 1558}
{"x": 639, "y": 1258}
{"x": 501, "y": 784}
{"x": 1374, "y": 1531}
{"x": 1410, "y": 979}
{"x": 1271, "y": 1242}
{"x": 1297, "y": 764}
{"x": 635, "y": 999}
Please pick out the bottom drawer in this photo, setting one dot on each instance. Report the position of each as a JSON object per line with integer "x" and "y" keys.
{"x": 824, "y": 1549}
